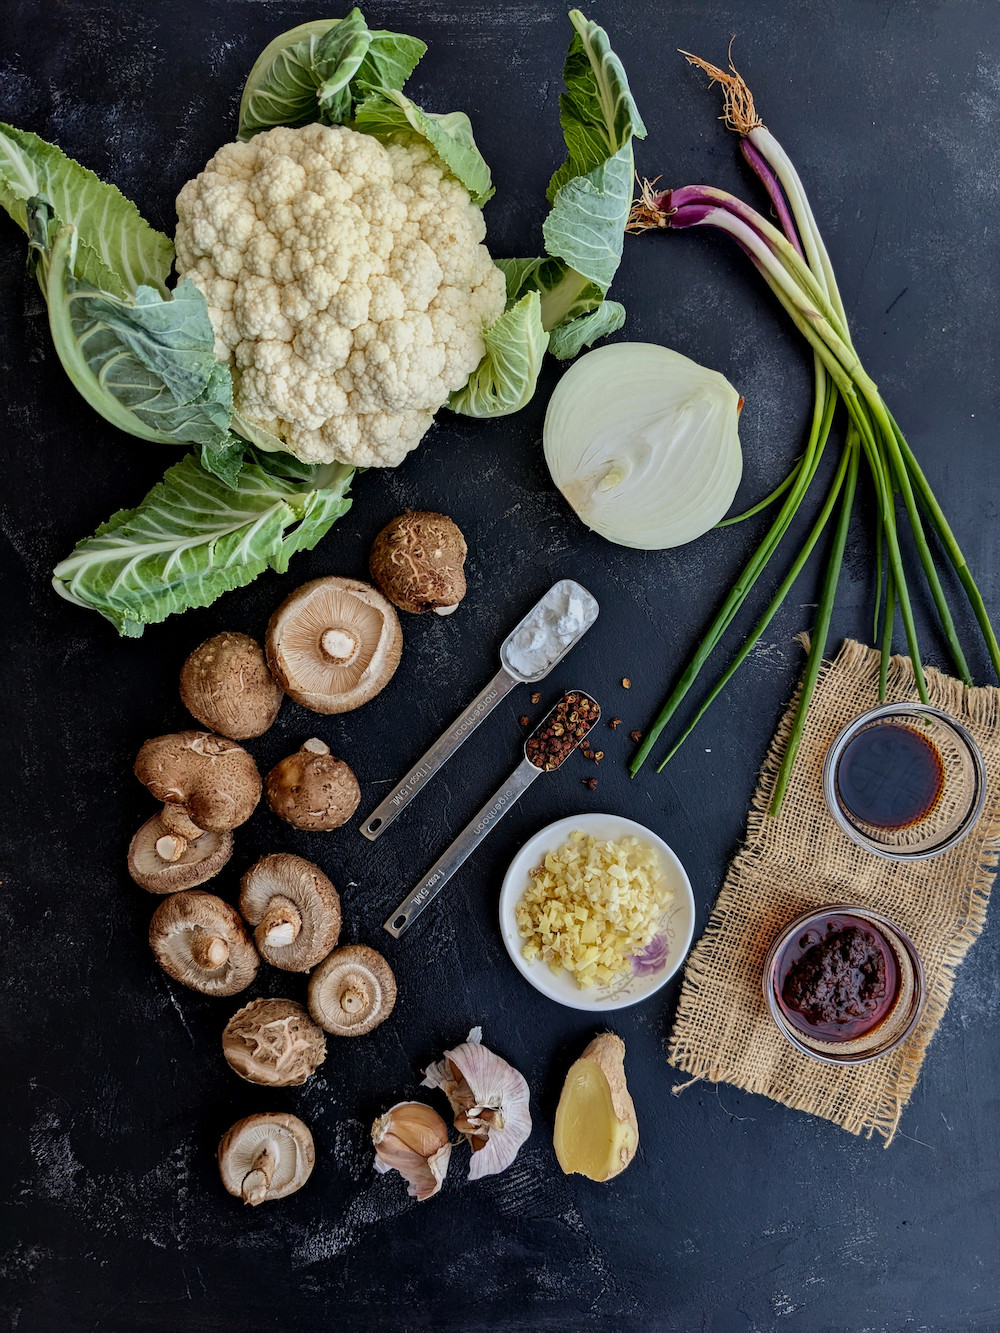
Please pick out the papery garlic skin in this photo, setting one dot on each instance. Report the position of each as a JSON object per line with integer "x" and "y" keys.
{"x": 412, "y": 1138}
{"x": 490, "y": 1100}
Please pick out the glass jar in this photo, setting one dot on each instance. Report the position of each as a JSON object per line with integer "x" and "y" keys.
{"x": 872, "y": 790}
{"x": 877, "y": 1024}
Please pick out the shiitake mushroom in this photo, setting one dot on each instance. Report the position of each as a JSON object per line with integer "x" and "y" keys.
{"x": 161, "y": 860}
{"x": 333, "y": 644}
{"x": 273, "y": 1042}
{"x": 352, "y": 991}
{"x": 213, "y": 780}
{"x": 225, "y": 683}
{"x": 312, "y": 789}
{"x": 266, "y": 1156}
{"x": 200, "y": 941}
{"x": 295, "y": 909}
{"x": 418, "y": 561}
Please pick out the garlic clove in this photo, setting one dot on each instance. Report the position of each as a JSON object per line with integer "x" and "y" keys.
{"x": 416, "y": 1125}
{"x": 490, "y": 1101}
{"x": 437, "y": 1164}
{"x": 411, "y": 1138}
{"x": 423, "y": 1175}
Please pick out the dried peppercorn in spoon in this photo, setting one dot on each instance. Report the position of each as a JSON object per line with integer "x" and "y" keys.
{"x": 546, "y": 749}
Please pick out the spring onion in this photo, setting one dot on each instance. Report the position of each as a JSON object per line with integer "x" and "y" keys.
{"x": 794, "y": 262}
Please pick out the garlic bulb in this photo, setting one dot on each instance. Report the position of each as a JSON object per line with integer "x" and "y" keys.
{"x": 411, "y": 1138}
{"x": 490, "y": 1101}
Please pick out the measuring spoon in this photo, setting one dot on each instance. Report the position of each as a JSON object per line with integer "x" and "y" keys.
{"x": 512, "y": 650}
{"x": 546, "y": 749}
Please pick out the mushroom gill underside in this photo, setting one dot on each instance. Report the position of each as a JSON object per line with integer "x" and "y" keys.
{"x": 163, "y": 861}
{"x": 352, "y": 991}
{"x": 295, "y": 909}
{"x": 331, "y": 644}
{"x": 266, "y": 1157}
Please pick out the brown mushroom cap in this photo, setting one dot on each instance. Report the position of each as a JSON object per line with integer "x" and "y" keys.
{"x": 200, "y": 941}
{"x": 226, "y": 685}
{"x": 266, "y": 1157}
{"x": 295, "y": 908}
{"x": 165, "y": 862}
{"x": 333, "y": 644}
{"x": 212, "y": 779}
{"x": 312, "y": 789}
{"x": 273, "y": 1042}
{"x": 352, "y": 991}
{"x": 417, "y": 561}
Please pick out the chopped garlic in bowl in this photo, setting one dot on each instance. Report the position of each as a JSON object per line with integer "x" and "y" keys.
{"x": 592, "y": 905}
{"x": 596, "y": 912}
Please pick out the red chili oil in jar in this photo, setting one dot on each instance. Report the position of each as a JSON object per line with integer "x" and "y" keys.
{"x": 890, "y": 776}
{"x": 838, "y": 980}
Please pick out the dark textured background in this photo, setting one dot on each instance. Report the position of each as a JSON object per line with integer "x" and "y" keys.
{"x": 737, "y": 1214}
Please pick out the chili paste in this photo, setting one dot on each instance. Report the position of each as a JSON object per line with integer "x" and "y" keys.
{"x": 839, "y": 982}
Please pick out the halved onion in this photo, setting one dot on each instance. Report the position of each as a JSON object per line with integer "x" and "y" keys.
{"x": 643, "y": 443}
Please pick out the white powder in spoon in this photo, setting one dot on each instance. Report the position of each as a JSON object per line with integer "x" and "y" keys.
{"x": 563, "y": 614}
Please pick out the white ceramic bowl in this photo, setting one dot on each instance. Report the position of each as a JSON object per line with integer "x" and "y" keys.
{"x": 662, "y": 958}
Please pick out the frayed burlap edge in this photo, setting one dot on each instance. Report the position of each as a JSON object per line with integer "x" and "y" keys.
{"x": 691, "y": 1046}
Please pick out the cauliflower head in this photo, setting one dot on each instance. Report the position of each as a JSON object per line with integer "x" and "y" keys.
{"x": 347, "y": 285}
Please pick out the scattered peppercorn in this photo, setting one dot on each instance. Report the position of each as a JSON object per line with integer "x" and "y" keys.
{"x": 626, "y": 683}
{"x": 615, "y": 723}
{"x": 524, "y": 721}
{"x": 591, "y": 783}
{"x": 536, "y": 698}
{"x": 588, "y": 752}
{"x": 563, "y": 730}
{"x": 598, "y": 756}
{"x": 635, "y": 736}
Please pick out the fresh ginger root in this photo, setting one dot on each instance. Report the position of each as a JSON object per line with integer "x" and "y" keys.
{"x": 596, "y": 1131}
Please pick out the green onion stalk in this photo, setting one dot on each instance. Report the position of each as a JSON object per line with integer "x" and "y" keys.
{"x": 794, "y": 262}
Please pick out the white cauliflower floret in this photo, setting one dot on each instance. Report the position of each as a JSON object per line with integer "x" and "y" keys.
{"x": 347, "y": 284}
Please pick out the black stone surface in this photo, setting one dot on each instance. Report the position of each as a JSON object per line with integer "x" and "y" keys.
{"x": 738, "y": 1214}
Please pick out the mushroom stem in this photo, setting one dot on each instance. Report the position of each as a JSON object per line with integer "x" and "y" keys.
{"x": 209, "y": 951}
{"x": 210, "y": 746}
{"x": 316, "y": 746}
{"x": 258, "y": 1179}
{"x": 352, "y": 1000}
{"x": 280, "y": 925}
{"x": 339, "y": 645}
{"x": 175, "y": 819}
{"x": 171, "y": 847}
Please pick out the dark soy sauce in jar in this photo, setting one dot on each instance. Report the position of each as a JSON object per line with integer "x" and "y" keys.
{"x": 838, "y": 980}
{"x": 889, "y": 776}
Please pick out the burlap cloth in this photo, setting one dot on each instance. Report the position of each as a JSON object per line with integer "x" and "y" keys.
{"x": 802, "y": 860}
